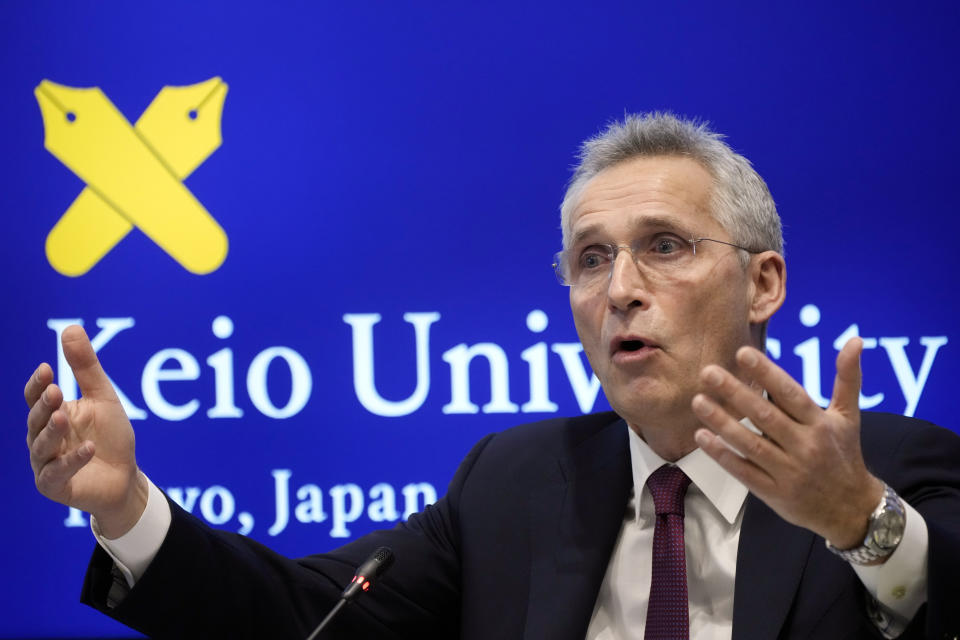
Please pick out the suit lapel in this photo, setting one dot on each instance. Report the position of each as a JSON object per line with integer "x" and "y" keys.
{"x": 771, "y": 557}
{"x": 575, "y": 517}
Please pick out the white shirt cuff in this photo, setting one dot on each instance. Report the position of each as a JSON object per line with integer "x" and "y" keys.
{"x": 133, "y": 552}
{"x": 899, "y": 585}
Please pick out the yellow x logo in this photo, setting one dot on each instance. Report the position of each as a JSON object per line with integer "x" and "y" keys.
{"x": 134, "y": 175}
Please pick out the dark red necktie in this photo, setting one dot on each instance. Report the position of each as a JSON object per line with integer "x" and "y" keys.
{"x": 668, "y": 611}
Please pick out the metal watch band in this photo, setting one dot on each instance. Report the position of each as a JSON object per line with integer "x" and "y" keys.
{"x": 870, "y": 550}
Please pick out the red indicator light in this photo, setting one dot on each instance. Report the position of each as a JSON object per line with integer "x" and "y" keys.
{"x": 366, "y": 585}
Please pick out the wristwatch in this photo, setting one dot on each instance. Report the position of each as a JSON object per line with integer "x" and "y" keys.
{"x": 884, "y": 531}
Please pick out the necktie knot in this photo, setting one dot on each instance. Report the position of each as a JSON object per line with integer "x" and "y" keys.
{"x": 668, "y": 484}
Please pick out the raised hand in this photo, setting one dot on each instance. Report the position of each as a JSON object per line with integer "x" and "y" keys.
{"x": 807, "y": 466}
{"x": 82, "y": 451}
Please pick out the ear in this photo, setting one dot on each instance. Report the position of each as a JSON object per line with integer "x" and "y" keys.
{"x": 768, "y": 275}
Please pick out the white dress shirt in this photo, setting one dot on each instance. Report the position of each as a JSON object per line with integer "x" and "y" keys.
{"x": 713, "y": 515}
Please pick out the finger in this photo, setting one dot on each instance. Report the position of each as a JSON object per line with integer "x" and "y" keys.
{"x": 786, "y": 392}
{"x": 49, "y": 441}
{"x": 764, "y": 453}
{"x": 53, "y": 477}
{"x": 42, "y": 376}
{"x": 49, "y": 401}
{"x": 753, "y": 477}
{"x": 736, "y": 396}
{"x": 86, "y": 367}
{"x": 846, "y": 386}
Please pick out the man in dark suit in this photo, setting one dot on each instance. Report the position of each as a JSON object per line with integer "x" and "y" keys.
{"x": 694, "y": 510}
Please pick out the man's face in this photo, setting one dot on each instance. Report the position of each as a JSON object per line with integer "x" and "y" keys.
{"x": 647, "y": 336}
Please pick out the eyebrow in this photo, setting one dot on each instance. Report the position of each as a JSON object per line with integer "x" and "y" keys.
{"x": 651, "y": 222}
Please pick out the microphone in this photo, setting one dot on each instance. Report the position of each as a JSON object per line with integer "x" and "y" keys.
{"x": 363, "y": 580}
{"x": 371, "y": 570}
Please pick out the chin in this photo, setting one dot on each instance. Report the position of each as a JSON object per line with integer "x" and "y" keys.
{"x": 644, "y": 399}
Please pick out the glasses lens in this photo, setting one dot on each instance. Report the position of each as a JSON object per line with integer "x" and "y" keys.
{"x": 662, "y": 256}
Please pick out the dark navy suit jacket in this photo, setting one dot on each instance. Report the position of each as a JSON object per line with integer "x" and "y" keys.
{"x": 519, "y": 545}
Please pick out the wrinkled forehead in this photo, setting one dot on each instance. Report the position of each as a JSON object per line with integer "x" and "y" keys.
{"x": 635, "y": 226}
{"x": 645, "y": 193}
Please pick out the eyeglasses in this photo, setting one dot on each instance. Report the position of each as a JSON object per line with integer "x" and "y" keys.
{"x": 663, "y": 256}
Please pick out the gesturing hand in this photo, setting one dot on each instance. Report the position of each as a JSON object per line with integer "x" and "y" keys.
{"x": 82, "y": 451}
{"x": 807, "y": 466}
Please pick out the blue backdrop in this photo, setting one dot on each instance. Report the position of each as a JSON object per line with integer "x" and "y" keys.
{"x": 388, "y": 182}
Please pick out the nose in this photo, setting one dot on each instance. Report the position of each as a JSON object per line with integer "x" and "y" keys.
{"x": 627, "y": 286}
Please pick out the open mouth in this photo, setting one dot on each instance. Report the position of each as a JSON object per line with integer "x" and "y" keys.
{"x": 632, "y": 345}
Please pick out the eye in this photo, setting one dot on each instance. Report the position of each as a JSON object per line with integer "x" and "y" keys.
{"x": 593, "y": 257}
{"x": 668, "y": 244}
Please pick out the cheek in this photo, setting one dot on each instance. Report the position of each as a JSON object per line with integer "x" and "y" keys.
{"x": 584, "y": 313}
{"x": 709, "y": 316}
{"x": 722, "y": 325}
{"x": 588, "y": 320}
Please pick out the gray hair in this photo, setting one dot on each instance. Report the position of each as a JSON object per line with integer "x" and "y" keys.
{"x": 741, "y": 202}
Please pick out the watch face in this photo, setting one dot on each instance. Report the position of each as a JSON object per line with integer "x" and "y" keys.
{"x": 888, "y": 529}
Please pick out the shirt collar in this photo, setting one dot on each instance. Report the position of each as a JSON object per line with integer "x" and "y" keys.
{"x": 724, "y": 492}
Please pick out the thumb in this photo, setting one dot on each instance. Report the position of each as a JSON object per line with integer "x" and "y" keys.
{"x": 82, "y": 359}
{"x": 846, "y": 386}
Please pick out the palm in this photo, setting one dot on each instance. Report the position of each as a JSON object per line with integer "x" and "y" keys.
{"x": 102, "y": 480}
{"x": 82, "y": 451}
{"x": 805, "y": 455}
